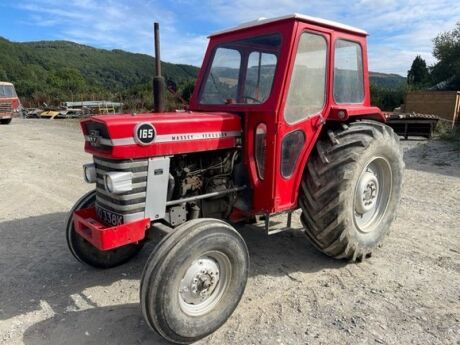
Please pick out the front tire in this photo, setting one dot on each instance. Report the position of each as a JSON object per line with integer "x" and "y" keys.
{"x": 194, "y": 280}
{"x": 85, "y": 252}
{"x": 351, "y": 189}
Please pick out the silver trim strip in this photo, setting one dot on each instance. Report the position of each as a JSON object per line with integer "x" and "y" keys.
{"x": 126, "y": 165}
{"x": 134, "y": 175}
{"x": 176, "y": 137}
{"x": 122, "y": 197}
{"x": 163, "y": 138}
{"x": 135, "y": 185}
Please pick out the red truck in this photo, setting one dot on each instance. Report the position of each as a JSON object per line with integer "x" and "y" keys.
{"x": 280, "y": 120}
{"x": 10, "y": 105}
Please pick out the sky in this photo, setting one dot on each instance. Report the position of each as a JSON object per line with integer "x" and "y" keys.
{"x": 398, "y": 30}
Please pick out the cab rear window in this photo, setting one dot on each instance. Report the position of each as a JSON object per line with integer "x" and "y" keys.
{"x": 348, "y": 72}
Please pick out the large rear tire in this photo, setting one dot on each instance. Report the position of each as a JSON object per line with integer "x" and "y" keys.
{"x": 5, "y": 121}
{"x": 351, "y": 189}
{"x": 85, "y": 252}
{"x": 194, "y": 280}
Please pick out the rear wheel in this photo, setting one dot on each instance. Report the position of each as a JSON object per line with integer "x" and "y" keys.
{"x": 5, "y": 121}
{"x": 351, "y": 189}
{"x": 85, "y": 252}
{"x": 194, "y": 280}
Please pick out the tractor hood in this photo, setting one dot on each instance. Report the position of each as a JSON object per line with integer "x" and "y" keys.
{"x": 131, "y": 136}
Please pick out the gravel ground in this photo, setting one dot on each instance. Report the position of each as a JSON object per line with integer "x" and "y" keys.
{"x": 407, "y": 293}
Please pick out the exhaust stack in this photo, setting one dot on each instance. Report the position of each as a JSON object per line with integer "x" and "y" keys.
{"x": 158, "y": 80}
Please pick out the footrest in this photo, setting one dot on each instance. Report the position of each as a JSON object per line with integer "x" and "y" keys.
{"x": 105, "y": 237}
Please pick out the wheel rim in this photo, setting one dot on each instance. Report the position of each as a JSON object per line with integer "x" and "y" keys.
{"x": 372, "y": 194}
{"x": 204, "y": 283}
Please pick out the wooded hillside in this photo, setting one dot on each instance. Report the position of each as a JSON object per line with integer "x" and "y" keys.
{"x": 53, "y": 71}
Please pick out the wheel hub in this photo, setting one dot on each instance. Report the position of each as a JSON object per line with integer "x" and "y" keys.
{"x": 199, "y": 281}
{"x": 367, "y": 193}
{"x": 372, "y": 194}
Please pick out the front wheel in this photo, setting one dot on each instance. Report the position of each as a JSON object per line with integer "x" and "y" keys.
{"x": 351, "y": 189}
{"x": 5, "y": 121}
{"x": 194, "y": 280}
{"x": 85, "y": 252}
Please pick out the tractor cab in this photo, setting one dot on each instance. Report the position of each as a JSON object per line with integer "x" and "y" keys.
{"x": 286, "y": 76}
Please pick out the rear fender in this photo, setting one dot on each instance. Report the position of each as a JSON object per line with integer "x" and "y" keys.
{"x": 347, "y": 113}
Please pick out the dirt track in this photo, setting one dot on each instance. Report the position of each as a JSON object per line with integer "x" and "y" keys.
{"x": 407, "y": 293}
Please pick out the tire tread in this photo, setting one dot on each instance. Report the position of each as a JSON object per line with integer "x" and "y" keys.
{"x": 324, "y": 186}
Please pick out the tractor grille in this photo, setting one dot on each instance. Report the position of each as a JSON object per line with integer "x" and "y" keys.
{"x": 6, "y": 108}
{"x": 126, "y": 203}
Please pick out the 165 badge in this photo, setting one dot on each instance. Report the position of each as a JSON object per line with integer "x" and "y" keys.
{"x": 144, "y": 133}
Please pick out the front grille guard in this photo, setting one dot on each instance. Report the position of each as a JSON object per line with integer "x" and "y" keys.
{"x": 147, "y": 199}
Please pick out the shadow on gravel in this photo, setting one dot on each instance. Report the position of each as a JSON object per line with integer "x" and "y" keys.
{"x": 36, "y": 267}
{"x": 432, "y": 156}
{"x": 120, "y": 324}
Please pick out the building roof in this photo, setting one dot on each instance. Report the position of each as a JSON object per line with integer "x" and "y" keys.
{"x": 297, "y": 16}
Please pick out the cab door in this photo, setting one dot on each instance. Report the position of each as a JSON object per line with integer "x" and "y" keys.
{"x": 302, "y": 112}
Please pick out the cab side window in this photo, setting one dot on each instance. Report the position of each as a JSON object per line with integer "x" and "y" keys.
{"x": 348, "y": 72}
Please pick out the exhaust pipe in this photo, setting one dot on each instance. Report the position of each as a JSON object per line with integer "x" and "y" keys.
{"x": 158, "y": 80}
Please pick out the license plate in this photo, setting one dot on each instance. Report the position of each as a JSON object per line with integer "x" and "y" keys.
{"x": 109, "y": 217}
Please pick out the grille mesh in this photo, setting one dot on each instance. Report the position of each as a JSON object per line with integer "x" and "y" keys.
{"x": 128, "y": 202}
{"x": 6, "y": 108}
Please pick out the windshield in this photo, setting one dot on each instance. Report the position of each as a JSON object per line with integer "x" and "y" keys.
{"x": 7, "y": 91}
{"x": 242, "y": 72}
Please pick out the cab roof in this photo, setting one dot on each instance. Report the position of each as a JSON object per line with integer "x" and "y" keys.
{"x": 5, "y": 83}
{"x": 295, "y": 16}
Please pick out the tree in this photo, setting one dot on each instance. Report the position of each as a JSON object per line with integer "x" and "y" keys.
{"x": 3, "y": 75}
{"x": 447, "y": 51}
{"x": 187, "y": 89}
{"x": 387, "y": 98}
{"x": 418, "y": 74}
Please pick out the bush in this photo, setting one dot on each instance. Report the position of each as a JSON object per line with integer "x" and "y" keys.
{"x": 387, "y": 99}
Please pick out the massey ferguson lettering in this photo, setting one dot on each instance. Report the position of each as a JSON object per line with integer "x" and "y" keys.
{"x": 198, "y": 136}
{"x": 182, "y": 137}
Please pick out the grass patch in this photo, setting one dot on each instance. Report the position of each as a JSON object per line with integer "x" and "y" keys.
{"x": 451, "y": 135}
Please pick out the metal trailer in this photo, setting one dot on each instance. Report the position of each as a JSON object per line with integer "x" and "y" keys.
{"x": 412, "y": 125}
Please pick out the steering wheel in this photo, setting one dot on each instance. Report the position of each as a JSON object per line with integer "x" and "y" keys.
{"x": 252, "y": 98}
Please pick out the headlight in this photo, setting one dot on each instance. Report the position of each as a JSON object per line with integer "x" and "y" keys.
{"x": 118, "y": 182}
{"x": 89, "y": 172}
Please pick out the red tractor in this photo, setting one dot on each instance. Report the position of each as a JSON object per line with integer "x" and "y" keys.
{"x": 280, "y": 119}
